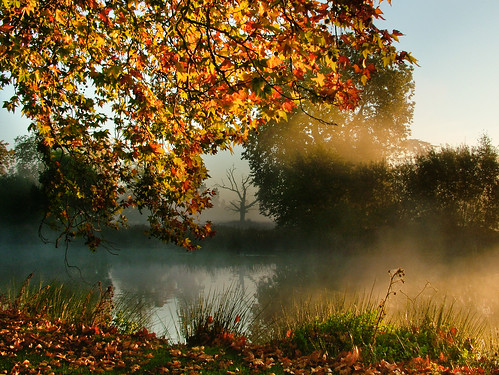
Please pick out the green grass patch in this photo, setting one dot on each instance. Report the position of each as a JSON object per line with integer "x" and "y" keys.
{"x": 430, "y": 329}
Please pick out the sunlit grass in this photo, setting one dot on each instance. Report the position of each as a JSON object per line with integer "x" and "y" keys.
{"x": 318, "y": 307}
{"x": 57, "y": 300}
{"x": 425, "y": 327}
{"x": 92, "y": 306}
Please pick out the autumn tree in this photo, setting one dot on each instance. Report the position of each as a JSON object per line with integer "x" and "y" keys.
{"x": 244, "y": 201}
{"x": 136, "y": 91}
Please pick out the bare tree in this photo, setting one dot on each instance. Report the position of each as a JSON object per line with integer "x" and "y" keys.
{"x": 241, "y": 204}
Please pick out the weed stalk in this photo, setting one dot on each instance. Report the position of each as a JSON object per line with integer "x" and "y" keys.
{"x": 396, "y": 276}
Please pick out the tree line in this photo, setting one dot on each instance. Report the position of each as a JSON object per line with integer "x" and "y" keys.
{"x": 319, "y": 190}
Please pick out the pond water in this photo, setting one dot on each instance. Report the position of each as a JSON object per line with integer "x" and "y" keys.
{"x": 163, "y": 276}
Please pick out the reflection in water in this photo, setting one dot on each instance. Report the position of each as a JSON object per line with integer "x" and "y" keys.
{"x": 168, "y": 285}
{"x": 161, "y": 278}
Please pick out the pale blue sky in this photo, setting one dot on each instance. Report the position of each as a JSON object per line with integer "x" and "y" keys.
{"x": 457, "y": 82}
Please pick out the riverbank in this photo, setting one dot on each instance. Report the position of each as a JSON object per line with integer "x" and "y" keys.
{"x": 35, "y": 345}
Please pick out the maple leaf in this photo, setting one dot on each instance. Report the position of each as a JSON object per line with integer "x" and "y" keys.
{"x": 288, "y": 105}
{"x": 273, "y": 62}
{"x": 320, "y": 79}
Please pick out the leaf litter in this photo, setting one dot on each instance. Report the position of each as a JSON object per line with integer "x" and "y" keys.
{"x": 36, "y": 345}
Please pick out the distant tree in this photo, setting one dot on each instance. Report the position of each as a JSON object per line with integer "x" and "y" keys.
{"x": 457, "y": 186}
{"x": 28, "y": 161}
{"x": 324, "y": 192}
{"x": 314, "y": 192}
{"x": 243, "y": 203}
{"x": 301, "y": 165}
{"x": 373, "y": 195}
{"x": 21, "y": 201}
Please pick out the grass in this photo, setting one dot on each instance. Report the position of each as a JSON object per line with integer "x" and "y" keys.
{"x": 60, "y": 301}
{"x": 425, "y": 328}
{"x": 131, "y": 313}
{"x": 55, "y": 327}
{"x": 92, "y": 306}
{"x": 216, "y": 318}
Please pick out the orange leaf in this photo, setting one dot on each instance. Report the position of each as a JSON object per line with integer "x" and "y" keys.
{"x": 298, "y": 73}
{"x": 273, "y": 62}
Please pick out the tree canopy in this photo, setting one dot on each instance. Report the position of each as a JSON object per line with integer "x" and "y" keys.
{"x": 133, "y": 93}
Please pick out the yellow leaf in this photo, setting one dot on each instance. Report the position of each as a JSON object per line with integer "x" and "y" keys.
{"x": 273, "y": 62}
{"x": 58, "y": 16}
{"x": 320, "y": 79}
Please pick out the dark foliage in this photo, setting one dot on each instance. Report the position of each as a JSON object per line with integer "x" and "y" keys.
{"x": 316, "y": 191}
{"x": 21, "y": 200}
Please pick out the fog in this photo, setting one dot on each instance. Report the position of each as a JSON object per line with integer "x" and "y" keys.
{"x": 465, "y": 275}
{"x": 344, "y": 233}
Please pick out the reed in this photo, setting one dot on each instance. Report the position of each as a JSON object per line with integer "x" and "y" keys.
{"x": 217, "y": 318}
{"x": 131, "y": 313}
{"x": 92, "y": 306}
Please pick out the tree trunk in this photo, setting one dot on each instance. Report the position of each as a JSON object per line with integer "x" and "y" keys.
{"x": 242, "y": 215}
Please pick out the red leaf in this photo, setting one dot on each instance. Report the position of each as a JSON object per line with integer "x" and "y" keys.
{"x": 288, "y": 105}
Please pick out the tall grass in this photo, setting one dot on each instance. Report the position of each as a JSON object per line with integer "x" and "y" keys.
{"x": 74, "y": 304}
{"x": 57, "y": 300}
{"x": 426, "y": 327}
{"x": 314, "y": 308}
{"x": 462, "y": 331}
{"x": 131, "y": 313}
{"x": 219, "y": 317}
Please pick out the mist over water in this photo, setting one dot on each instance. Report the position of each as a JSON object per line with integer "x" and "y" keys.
{"x": 163, "y": 276}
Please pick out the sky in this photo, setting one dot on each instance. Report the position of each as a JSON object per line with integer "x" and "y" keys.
{"x": 456, "y": 43}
